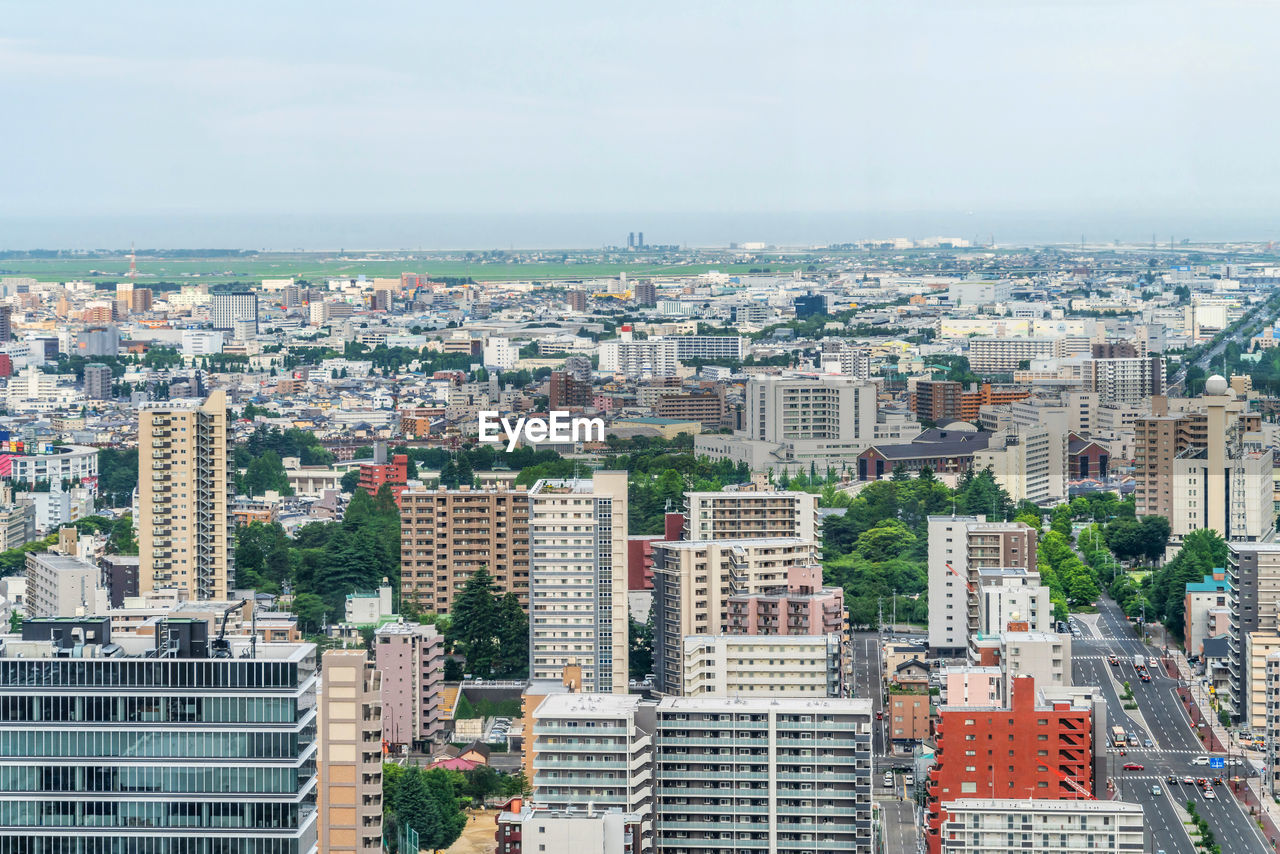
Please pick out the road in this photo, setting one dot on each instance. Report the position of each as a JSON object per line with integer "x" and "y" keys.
{"x": 1237, "y": 336}
{"x": 899, "y": 827}
{"x": 1161, "y": 718}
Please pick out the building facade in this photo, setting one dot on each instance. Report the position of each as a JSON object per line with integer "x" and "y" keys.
{"x": 1006, "y": 826}
{"x": 350, "y": 790}
{"x": 226, "y": 310}
{"x": 410, "y": 658}
{"x": 763, "y": 666}
{"x": 746, "y": 514}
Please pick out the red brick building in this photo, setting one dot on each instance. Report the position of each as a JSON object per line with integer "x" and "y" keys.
{"x": 1035, "y": 749}
{"x": 640, "y": 552}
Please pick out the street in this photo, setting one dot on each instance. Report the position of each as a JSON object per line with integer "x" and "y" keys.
{"x": 1161, "y": 718}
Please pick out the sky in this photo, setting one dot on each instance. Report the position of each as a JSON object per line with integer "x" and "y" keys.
{"x": 279, "y": 116}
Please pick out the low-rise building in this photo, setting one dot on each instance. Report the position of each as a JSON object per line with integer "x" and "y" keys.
{"x": 1005, "y": 826}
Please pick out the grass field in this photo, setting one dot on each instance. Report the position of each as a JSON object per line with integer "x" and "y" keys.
{"x": 317, "y": 267}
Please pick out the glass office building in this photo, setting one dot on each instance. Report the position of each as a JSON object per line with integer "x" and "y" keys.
{"x": 170, "y": 751}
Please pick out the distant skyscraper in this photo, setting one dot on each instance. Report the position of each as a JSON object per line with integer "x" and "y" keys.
{"x": 186, "y": 533}
{"x": 226, "y": 309}
{"x": 6, "y": 323}
{"x": 631, "y": 240}
{"x": 639, "y": 239}
{"x": 577, "y": 300}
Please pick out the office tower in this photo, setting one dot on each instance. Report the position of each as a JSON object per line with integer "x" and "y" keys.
{"x": 1002, "y": 355}
{"x": 982, "y": 826}
{"x": 1046, "y": 750}
{"x": 960, "y": 546}
{"x": 763, "y": 666}
{"x": 693, "y": 582}
{"x": 97, "y": 381}
{"x": 186, "y": 481}
{"x": 746, "y": 514}
{"x": 448, "y": 534}
{"x": 226, "y": 309}
{"x": 155, "y": 745}
{"x": 577, "y": 300}
{"x": 631, "y": 240}
{"x": 350, "y": 791}
{"x": 410, "y": 658}
{"x": 6, "y": 323}
{"x": 771, "y": 774}
{"x": 566, "y": 392}
{"x": 640, "y": 244}
{"x": 811, "y": 412}
{"x": 646, "y": 292}
{"x": 595, "y": 749}
{"x": 578, "y": 579}
{"x": 810, "y": 305}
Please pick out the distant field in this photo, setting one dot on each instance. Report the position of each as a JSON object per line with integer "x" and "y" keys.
{"x": 317, "y": 268}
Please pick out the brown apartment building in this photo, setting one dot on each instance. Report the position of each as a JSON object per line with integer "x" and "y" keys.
{"x": 704, "y": 405}
{"x": 448, "y": 534}
{"x": 350, "y": 794}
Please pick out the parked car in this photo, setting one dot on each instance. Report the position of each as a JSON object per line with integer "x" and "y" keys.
{"x": 1147, "y": 743}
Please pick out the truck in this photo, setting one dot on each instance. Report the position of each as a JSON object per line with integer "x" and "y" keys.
{"x": 1118, "y": 738}
{"x": 1139, "y": 663}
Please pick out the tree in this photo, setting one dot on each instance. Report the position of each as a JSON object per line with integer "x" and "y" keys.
{"x": 1154, "y": 535}
{"x": 513, "y": 637}
{"x": 264, "y": 473}
{"x": 350, "y": 480}
{"x": 640, "y": 651}
{"x": 885, "y": 540}
{"x": 475, "y": 628}
{"x": 1060, "y": 520}
{"x": 1125, "y": 539}
{"x": 311, "y": 610}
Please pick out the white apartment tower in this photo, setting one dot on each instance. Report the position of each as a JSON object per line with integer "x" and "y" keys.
{"x": 186, "y": 480}
{"x": 744, "y": 514}
{"x": 578, "y": 580}
{"x": 225, "y": 310}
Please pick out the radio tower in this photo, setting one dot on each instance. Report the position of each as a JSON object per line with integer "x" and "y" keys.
{"x": 133, "y": 265}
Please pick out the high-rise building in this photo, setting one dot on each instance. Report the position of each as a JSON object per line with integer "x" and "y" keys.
{"x": 763, "y": 666}
{"x": 960, "y": 546}
{"x": 1005, "y": 826}
{"x": 576, "y": 299}
{"x": 350, "y": 790}
{"x": 137, "y": 745}
{"x": 566, "y": 392}
{"x": 140, "y": 300}
{"x": 1125, "y": 380}
{"x": 446, "y": 535}
{"x": 97, "y": 381}
{"x": 1012, "y": 595}
{"x": 650, "y": 357}
{"x": 578, "y": 579}
{"x": 693, "y": 582}
{"x": 410, "y": 658}
{"x": 1046, "y": 751}
{"x": 586, "y": 830}
{"x": 800, "y": 607}
{"x": 6, "y": 323}
{"x": 1003, "y": 355}
{"x": 810, "y": 305}
{"x": 226, "y": 309}
{"x": 746, "y": 514}
{"x": 773, "y": 774}
{"x": 595, "y": 749}
{"x": 1253, "y": 597}
{"x": 186, "y": 532}
{"x": 811, "y": 412}
{"x": 646, "y": 292}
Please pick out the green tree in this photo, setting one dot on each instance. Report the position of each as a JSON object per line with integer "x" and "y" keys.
{"x": 350, "y": 481}
{"x": 476, "y": 627}
{"x": 1060, "y": 520}
{"x": 640, "y": 650}
{"x": 513, "y": 637}
{"x": 885, "y": 540}
{"x": 264, "y": 473}
{"x": 311, "y": 611}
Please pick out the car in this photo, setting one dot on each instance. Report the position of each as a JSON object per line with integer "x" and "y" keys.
{"x": 888, "y": 779}
{"x": 1146, "y": 742}
{"x": 1171, "y": 779}
{"x": 1113, "y": 661}
{"x": 1189, "y": 780}
{"x": 1202, "y": 782}
{"x": 1134, "y": 766}
{"x": 1155, "y": 789}
{"x": 1200, "y": 760}
{"x": 1209, "y": 795}
{"x": 879, "y": 716}
{"x": 907, "y": 779}
{"x": 1133, "y": 739}
{"x": 1235, "y": 760}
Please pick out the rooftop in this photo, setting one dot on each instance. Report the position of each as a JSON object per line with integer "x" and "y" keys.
{"x": 782, "y": 705}
{"x": 587, "y": 705}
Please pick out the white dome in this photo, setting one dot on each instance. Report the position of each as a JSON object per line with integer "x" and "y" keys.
{"x": 1216, "y": 385}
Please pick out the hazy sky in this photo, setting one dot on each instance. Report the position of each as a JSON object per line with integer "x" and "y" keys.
{"x": 146, "y": 108}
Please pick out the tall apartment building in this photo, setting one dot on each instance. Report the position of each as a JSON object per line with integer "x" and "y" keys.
{"x": 763, "y": 666}
{"x": 350, "y": 790}
{"x": 941, "y": 401}
{"x": 410, "y": 658}
{"x": 1253, "y": 597}
{"x": 568, "y": 392}
{"x": 226, "y": 310}
{"x": 1125, "y": 380}
{"x": 650, "y": 357}
{"x": 800, "y": 607}
{"x": 1012, "y": 595}
{"x": 1029, "y": 462}
{"x": 97, "y": 382}
{"x": 596, "y": 749}
{"x": 1012, "y": 825}
{"x": 1036, "y": 748}
{"x": 118, "y": 748}
{"x": 646, "y": 293}
{"x": 578, "y": 579}
{"x": 960, "y": 546}
{"x": 811, "y": 411}
{"x": 186, "y": 480}
{"x": 770, "y": 774}
{"x": 576, "y": 300}
{"x": 446, "y": 535}
{"x": 746, "y": 514}
{"x": 715, "y": 347}
{"x": 1003, "y": 355}
{"x": 6, "y": 323}
{"x": 693, "y": 582}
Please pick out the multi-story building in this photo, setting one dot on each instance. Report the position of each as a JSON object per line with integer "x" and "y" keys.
{"x": 596, "y": 749}
{"x": 729, "y": 348}
{"x": 581, "y": 831}
{"x": 1006, "y": 826}
{"x": 706, "y": 405}
{"x": 1125, "y": 380}
{"x": 225, "y": 310}
{"x": 941, "y": 401}
{"x": 1201, "y": 597}
{"x": 772, "y": 774}
{"x": 63, "y": 586}
{"x": 746, "y": 514}
{"x": 1036, "y": 748}
{"x": 649, "y": 357}
{"x": 1005, "y": 355}
{"x": 909, "y": 719}
{"x": 568, "y": 392}
{"x": 410, "y": 658}
{"x": 578, "y": 579}
{"x": 800, "y": 607}
{"x": 97, "y": 381}
{"x": 960, "y": 546}
{"x": 186, "y": 531}
{"x": 693, "y": 582}
{"x": 446, "y": 535}
{"x": 1046, "y": 656}
{"x": 646, "y": 293}
{"x": 1008, "y": 595}
{"x": 17, "y": 525}
{"x": 830, "y": 411}
{"x": 763, "y": 665}
{"x": 1253, "y": 596}
{"x": 1251, "y": 710}
{"x": 113, "y": 744}
{"x": 70, "y": 465}
{"x": 395, "y": 474}
{"x": 1030, "y": 463}
{"x": 350, "y": 789}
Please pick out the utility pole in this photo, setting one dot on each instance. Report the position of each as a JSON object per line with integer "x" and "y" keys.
{"x": 895, "y": 609}
{"x": 880, "y": 616}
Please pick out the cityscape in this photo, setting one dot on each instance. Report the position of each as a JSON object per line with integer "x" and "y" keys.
{"x": 739, "y": 428}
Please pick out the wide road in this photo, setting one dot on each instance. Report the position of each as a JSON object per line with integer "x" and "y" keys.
{"x": 1161, "y": 718}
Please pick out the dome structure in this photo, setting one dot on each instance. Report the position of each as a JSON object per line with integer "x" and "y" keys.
{"x": 1216, "y": 385}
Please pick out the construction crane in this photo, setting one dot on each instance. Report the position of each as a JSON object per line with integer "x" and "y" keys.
{"x": 221, "y": 647}
{"x": 966, "y": 581}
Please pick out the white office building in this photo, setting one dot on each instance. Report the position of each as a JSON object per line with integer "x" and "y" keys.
{"x": 226, "y": 309}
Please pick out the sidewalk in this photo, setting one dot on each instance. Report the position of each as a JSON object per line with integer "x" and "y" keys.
{"x": 1218, "y": 740}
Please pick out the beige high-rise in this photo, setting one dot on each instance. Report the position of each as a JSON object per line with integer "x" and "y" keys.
{"x": 578, "y": 580}
{"x": 186, "y": 534}
{"x": 350, "y": 796}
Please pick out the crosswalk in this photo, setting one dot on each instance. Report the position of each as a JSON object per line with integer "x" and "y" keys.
{"x": 1177, "y": 750}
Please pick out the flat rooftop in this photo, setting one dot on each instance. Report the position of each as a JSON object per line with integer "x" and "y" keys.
{"x": 782, "y": 705}
{"x": 587, "y": 705}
